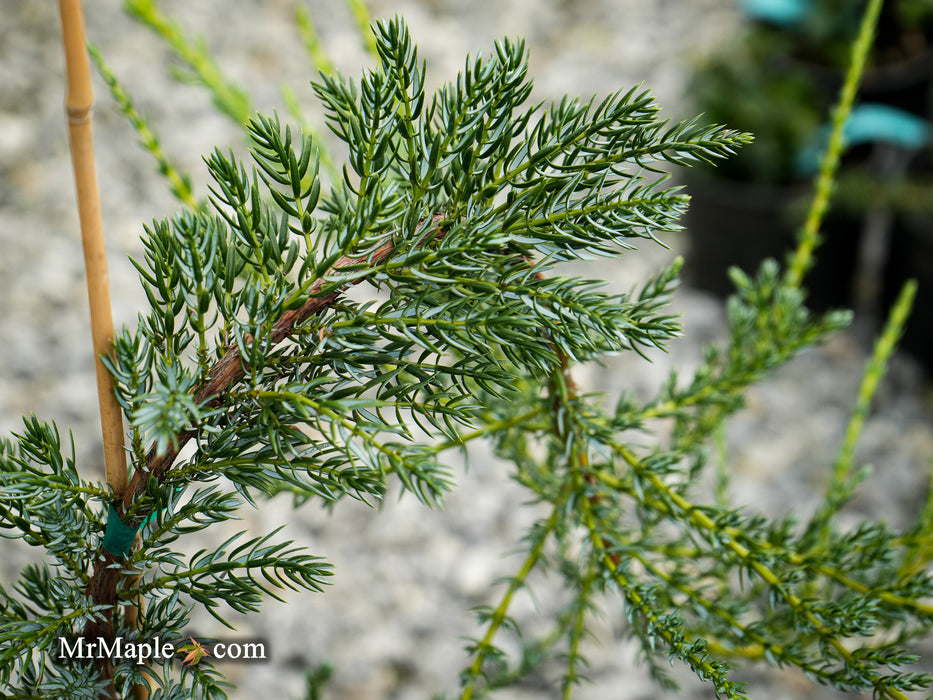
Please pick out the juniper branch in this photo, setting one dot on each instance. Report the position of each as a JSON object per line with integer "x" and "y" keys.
{"x": 226, "y": 372}
{"x": 454, "y": 211}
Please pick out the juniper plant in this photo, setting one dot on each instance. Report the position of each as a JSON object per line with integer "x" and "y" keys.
{"x": 454, "y": 214}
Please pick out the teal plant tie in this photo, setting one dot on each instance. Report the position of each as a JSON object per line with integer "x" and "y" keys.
{"x": 785, "y": 13}
{"x": 868, "y": 123}
{"x": 118, "y": 536}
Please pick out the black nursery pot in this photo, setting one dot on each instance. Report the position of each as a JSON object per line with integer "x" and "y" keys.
{"x": 910, "y": 256}
{"x": 736, "y": 224}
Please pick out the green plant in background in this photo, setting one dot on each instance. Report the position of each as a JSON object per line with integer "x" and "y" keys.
{"x": 453, "y": 215}
{"x": 783, "y": 108}
{"x": 780, "y": 77}
{"x": 821, "y": 31}
{"x": 199, "y": 67}
{"x": 778, "y": 80}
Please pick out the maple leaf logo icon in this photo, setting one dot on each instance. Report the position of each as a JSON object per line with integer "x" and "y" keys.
{"x": 195, "y": 652}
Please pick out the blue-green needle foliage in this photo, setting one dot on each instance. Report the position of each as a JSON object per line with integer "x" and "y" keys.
{"x": 324, "y": 342}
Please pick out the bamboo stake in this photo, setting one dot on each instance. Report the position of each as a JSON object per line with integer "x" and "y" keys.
{"x": 79, "y": 100}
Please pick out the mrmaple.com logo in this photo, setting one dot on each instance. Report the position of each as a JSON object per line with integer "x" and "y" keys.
{"x": 189, "y": 652}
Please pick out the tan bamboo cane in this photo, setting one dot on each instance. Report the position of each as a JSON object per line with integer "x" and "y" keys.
{"x": 78, "y": 103}
{"x": 79, "y": 100}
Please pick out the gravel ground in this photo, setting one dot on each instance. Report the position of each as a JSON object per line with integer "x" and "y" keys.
{"x": 406, "y": 577}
